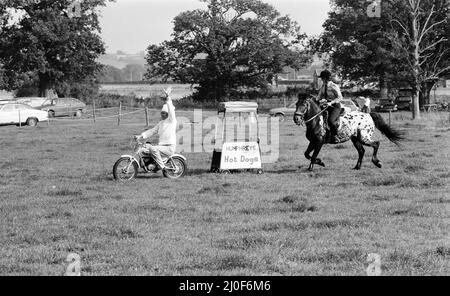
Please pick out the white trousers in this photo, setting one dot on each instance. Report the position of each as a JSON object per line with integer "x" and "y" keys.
{"x": 157, "y": 152}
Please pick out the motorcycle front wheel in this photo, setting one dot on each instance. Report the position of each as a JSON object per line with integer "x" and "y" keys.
{"x": 175, "y": 168}
{"x": 125, "y": 169}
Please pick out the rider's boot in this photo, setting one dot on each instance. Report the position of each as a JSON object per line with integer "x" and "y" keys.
{"x": 326, "y": 126}
{"x": 334, "y": 138}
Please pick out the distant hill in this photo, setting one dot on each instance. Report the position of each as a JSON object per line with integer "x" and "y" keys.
{"x": 121, "y": 59}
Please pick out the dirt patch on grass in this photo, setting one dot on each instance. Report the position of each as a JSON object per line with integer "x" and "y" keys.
{"x": 412, "y": 210}
{"x": 337, "y": 223}
{"x": 405, "y": 182}
{"x": 218, "y": 189}
{"x": 65, "y": 192}
{"x": 252, "y": 211}
{"x": 245, "y": 242}
{"x": 232, "y": 261}
{"x": 335, "y": 256}
{"x": 339, "y": 147}
{"x": 296, "y": 204}
{"x": 443, "y": 251}
{"x": 59, "y": 214}
{"x": 120, "y": 232}
{"x": 414, "y": 169}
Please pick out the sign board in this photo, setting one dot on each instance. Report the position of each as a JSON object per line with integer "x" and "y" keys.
{"x": 240, "y": 155}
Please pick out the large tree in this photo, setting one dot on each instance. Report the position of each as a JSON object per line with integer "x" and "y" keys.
{"x": 228, "y": 45}
{"x": 47, "y": 42}
{"x": 422, "y": 33}
{"x": 407, "y": 44}
{"x": 357, "y": 44}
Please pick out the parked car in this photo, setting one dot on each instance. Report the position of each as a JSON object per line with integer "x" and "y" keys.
{"x": 282, "y": 112}
{"x": 34, "y": 102}
{"x": 63, "y": 106}
{"x": 404, "y": 99}
{"x": 3, "y": 102}
{"x": 349, "y": 105}
{"x": 386, "y": 106}
{"x": 14, "y": 113}
{"x": 403, "y": 103}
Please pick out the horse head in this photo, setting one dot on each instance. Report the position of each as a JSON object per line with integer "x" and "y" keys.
{"x": 303, "y": 108}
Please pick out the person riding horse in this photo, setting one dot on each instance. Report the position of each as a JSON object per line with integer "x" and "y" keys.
{"x": 331, "y": 92}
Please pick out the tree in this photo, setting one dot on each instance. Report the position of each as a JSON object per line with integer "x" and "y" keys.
{"x": 48, "y": 44}
{"x": 229, "y": 45}
{"x": 110, "y": 74}
{"x": 423, "y": 35}
{"x": 386, "y": 48}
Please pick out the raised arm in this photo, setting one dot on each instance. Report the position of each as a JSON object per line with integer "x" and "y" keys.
{"x": 171, "y": 108}
{"x": 169, "y": 103}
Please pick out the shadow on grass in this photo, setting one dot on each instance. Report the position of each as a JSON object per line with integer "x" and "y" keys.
{"x": 282, "y": 171}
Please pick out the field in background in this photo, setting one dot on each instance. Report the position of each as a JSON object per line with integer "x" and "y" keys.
{"x": 57, "y": 196}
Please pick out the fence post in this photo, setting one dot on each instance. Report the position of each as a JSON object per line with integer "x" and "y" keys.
{"x": 390, "y": 113}
{"x": 119, "y": 113}
{"x": 20, "y": 120}
{"x": 93, "y": 109}
{"x": 146, "y": 116}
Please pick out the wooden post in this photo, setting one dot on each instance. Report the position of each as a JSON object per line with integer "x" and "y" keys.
{"x": 390, "y": 113}
{"x": 119, "y": 113}
{"x": 93, "y": 109}
{"x": 20, "y": 120}
{"x": 146, "y": 116}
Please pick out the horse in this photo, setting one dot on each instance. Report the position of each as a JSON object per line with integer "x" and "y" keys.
{"x": 355, "y": 126}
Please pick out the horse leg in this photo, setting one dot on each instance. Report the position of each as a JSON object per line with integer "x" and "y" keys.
{"x": 308, "y": 156}
{"x": 309, "y": 150}
{"x": 314, "y": 159}
{"x": 359, "y": 146}
{"x": 375, "y": 145}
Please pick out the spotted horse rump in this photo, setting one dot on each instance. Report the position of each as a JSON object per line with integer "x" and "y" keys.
{"x": 356, "y": 124}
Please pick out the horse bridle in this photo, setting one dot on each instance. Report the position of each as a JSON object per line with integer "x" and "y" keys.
{"x": 302, "y": 115}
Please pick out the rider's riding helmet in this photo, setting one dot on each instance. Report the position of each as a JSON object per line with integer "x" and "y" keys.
{"x": 325, "y": 74}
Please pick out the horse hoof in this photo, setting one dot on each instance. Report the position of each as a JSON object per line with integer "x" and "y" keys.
{"x": 321, "y": 164}
{"x": 377, "y": 164}
{"x": 356, "y": 168}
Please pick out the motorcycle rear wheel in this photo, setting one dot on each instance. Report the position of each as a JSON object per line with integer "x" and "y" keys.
{"x": 125, "y": 169}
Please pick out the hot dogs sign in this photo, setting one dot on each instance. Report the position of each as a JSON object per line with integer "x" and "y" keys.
{"x": 241, "y": 155}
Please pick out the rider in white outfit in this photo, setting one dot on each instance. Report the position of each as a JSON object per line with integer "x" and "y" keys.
{"x": 166, "y": 130}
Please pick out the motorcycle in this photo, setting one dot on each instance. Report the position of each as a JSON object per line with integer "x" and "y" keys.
{"x": 127, "y": 166}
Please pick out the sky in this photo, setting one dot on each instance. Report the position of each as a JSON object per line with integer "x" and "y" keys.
{"x": 132, "y": 25}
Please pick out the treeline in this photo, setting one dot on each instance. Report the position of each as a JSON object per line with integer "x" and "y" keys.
{"x": 131, "y": 73}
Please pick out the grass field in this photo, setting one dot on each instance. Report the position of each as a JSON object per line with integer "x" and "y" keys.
{"x": 57, "y": 196}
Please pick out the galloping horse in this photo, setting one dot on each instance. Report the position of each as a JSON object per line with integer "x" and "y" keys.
{"x": 356, "y": 126}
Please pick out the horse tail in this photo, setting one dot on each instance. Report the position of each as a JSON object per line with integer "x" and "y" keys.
{"x": 393, "y": 135}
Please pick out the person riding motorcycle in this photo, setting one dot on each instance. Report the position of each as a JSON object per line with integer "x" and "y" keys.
{"x": 331, "y": 92}
{"x": 166, "y": 130}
